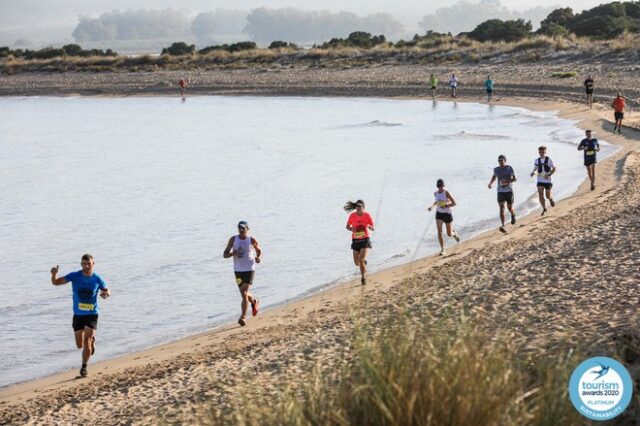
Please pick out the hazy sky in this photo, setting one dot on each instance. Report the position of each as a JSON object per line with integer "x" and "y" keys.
{"x": 51, "y": 18}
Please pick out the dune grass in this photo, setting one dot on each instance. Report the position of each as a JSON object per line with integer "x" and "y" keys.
{"x": 449, "y": 371}
{"x": 435, "y": 50}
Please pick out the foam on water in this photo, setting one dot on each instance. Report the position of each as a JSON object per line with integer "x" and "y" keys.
{"x": 154, "y": 187}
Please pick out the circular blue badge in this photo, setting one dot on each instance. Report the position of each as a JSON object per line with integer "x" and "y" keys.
{"x": 600, "y": 388}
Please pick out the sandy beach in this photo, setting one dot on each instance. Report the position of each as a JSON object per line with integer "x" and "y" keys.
{"x": 579, "y": 282}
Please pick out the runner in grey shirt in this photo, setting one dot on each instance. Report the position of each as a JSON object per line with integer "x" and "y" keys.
{"x": 505, "y": 176}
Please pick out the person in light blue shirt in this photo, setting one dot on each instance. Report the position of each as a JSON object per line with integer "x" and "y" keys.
{"x": 488, "y": 84}
{"x": 85, "y": 285}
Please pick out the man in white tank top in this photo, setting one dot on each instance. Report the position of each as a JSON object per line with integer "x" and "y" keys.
{"x": 246, "y": 252}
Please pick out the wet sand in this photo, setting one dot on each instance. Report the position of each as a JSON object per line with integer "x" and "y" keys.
{"x": 579, "y": 282}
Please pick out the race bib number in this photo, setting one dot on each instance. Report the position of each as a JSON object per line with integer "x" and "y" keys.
{"x": 442, "y": 203}
{"x": 591, "y": 153}
{"x": 86, "y": 306}
{"x": 359, "y": 234}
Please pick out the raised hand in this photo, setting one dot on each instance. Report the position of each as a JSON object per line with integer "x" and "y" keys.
{"x": 54, "y": 270}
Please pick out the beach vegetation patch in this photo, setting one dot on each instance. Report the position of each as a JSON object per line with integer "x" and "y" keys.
{"x": 564, "y": 74}
{"x": 179, "y": 48}
{"x": 498, "y": 30}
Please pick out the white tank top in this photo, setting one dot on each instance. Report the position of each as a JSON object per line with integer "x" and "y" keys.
{"x": 442, "y": 200}
{"x": 244, "y": 260}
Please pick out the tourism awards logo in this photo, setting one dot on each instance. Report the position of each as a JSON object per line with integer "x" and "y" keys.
{"x": 600, "y": 388}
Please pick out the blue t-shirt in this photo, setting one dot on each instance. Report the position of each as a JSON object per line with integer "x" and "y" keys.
{"x": 589, "y": 147}
{"x": 85, "y": 292}
{"x": 488, "y": 84}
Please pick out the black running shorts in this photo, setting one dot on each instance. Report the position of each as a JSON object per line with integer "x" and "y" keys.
{"x": 545, "y": 185}
{"x": 618, "y": 115}
{"x": 505, "y": 197}
{"x": 82, "y": 321}
{"x": 360, "y": 244}
{"x": 589, "y": 160}
{"x": 245, "y": 277}
{"x": 445, "y": 217}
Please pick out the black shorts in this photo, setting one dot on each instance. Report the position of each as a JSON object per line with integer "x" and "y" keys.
{"x": 544, "y": 185}
{"x": 244, "y": 277}
{"x": 589, "y": 91}
{"x": 434, "y": 88}
{"x": 82, "y": 321}
{"x": 490, "y": 91}
{"x": 505, "y": 197}
{"x": 618, "y": 115}
{"x": 445, "y": 217}
{"x": 360, "y": 244}
{"x": 589, "y": 160}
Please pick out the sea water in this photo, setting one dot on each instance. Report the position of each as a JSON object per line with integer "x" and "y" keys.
{"x": 154, "y": 187}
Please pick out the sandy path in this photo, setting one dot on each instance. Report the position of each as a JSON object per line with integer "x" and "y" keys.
{"x": 578, "y": 282}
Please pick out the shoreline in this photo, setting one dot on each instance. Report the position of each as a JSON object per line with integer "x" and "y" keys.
{"x": 315, "y": 305}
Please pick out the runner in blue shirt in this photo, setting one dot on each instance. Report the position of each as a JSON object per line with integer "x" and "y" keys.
{"x": 590, "y": 146}
{"x": 85, "y": 285}
{"x": 488, "y": 84}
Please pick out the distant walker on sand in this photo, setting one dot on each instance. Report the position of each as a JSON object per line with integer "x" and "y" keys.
{"x": 488, "y": 84}
{"x": 544, "y": 167}
{"x": 590, "y": 146}
{"x": 444, "y": 202}
{"x": 453, "y": 84}
{"x": 246, "y": 252}
{"x": 505, "y": 176}
{"x": 183, "y": 86}
{"x": 433, "y": 83}
{"x": 588, "y": 87}
{"x": 359, "y": 224}
{"x": 85, "y": 285}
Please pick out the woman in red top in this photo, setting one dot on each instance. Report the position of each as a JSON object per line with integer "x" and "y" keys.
{"x": 183, "y": 86}
{"x": 359, "y": 223}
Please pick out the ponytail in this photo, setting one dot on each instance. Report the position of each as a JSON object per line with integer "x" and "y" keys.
{"x": 350, "y": 205}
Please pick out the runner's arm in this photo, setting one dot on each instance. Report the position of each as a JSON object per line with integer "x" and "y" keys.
{"x": 55, "y": 280}
{"x": 257, "y": 248}
{"x": 453, "y": 202}
{"x": 493, "y": 179}
{"x": 227, "y": 251}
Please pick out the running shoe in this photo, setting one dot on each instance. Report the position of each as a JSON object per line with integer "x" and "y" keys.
{"x": 504, "y": 231}
{"x": 513, "y": 219}
{"x": 593, "y": 187}
{"x": 254, "y": 306}
{"x": 83, "y": 372}
{"x": 544, "y": 212}
{"x": 456, "y": 237}
{"x": 553, "y": 203}
{"x": 363, "y": 281}
{"x": 443, "y": 252}
{"x": 242, "y": 322}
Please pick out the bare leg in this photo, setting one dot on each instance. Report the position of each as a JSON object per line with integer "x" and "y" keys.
{"x": 541, "y": 197}
{"x": 79, "y": 336}
{"x": 246, "y": 298}
{"x": 450, "y": 230}
{"x": 356, "y": 258}
{"x": 363, "y": 265}
{"x": 86, "y": 344}
{"x": 501, "y": 213}
{"x": 440, "y": 239}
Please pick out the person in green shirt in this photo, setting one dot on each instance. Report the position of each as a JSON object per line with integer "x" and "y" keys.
{"x": 433, "y": 82}
{"x": 488, "y": 84}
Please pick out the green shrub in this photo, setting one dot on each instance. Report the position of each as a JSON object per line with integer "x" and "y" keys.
{"x": 564, "y": 74}
{"x": 498, "y": 30}
{"x": 178, "y": 49}
{"x": 282, "y": 45}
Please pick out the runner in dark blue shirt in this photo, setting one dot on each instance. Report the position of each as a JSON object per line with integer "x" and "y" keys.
{"x": 590, "y": 146}
{"x": 85, "y": 285}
